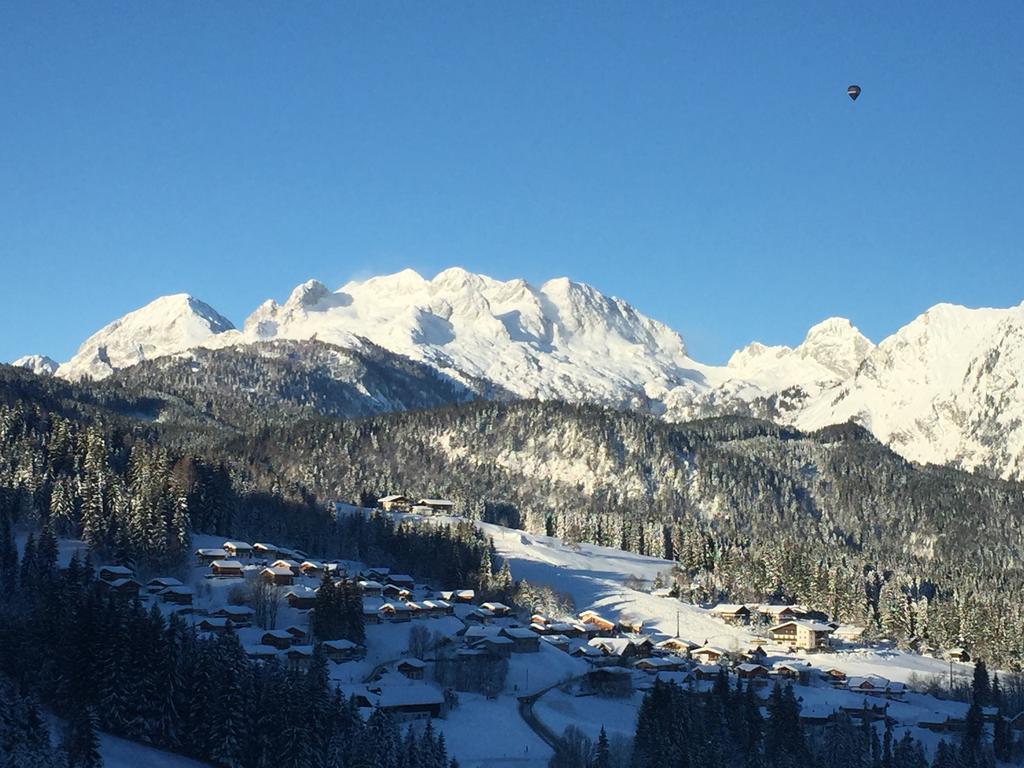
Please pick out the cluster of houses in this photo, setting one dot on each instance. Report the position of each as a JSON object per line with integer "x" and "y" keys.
{"x": 399, "y": 503}
{"x": 120, "y": 580}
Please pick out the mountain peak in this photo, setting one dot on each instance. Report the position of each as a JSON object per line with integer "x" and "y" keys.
{"x": 41, "y": 365}
{"x": 165, "y": 326}
{"x": 837, "y": 344}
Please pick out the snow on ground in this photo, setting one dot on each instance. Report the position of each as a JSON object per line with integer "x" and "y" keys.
{"x": 483, "y": 732}
{"x": 121, "y": 753}
{"x": 558, "y": 710}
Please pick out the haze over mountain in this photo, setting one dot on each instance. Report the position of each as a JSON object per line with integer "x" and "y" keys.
{"x": 943, "y": 389}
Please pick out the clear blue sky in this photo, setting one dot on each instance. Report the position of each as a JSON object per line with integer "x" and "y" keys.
{"x": 703, "y": 163}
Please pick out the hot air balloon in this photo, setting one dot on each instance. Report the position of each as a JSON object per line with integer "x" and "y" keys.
{"x": 853, "y": 92}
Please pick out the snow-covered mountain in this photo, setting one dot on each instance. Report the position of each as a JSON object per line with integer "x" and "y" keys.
{"x": 942, "y": 389}
{"x": 41, "y": 365}
{"x": 163, "y": 327}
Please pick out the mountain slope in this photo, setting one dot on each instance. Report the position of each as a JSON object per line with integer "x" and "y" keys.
{"x": 944, "y": 389}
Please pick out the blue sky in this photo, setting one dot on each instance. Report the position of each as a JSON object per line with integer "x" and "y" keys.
{"x": 703, "y": 163}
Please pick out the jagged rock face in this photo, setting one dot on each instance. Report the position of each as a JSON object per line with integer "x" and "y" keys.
{"x": 942, "y": 389}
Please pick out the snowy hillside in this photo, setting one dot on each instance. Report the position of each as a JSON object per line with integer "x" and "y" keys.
{"x": 942, "y": 389}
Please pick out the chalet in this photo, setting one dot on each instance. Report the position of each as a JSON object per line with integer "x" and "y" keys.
{"x": 633, "y": 626}
{"x": 659, "y": 664}
{"x": 298, "y": 655}
{"x": 800, "y": 673}
{"x": 279, "y": 638}
{"x": 377, "y": 574}
{"x": 277, "y": 575}
{"x": 560, "y": 642}
{"x": 395, "y": 592}
{"x": 622, "y": 648}
{"x": 342, "y": 650}
{"x": 676, "y": 645}
{"x": 497, "y": 609}
{"x": 115, "y": 572}
{"x": 588, "y": 652}
{"x": 240, "y": 615}
{"x": 227, "y": 568}
{"x": 610, "y": 681}
{"x": 497, "y": 645}
{"x": 127, "y": 588}
{"x": 301, "y": 598}
{"x": 458, "y": 595}
{"x": 371, "y": 588}
{"x": 479, "y": 616}
{"x": 177, "y": 595}
{"x": 237, "y": 549}
{"x": 298, "y": 633}
{"x": 752, "y": 672}
{"x": 311, "y": 568}
{"x": 600, "y": 624}
{"x": 416, "y": 610}
{"x": 261, "y": 652}
{"x": 872, "y": 685}
{"x": 412, "y": 668}
{"x": 207, "y": 556}
{"x": 371, "y": 614}
{"x": 756, "y": 655}
{"x": 395, "y": 612}
{"x": 848, "y": 633}
{"x": 434, "y": 607}
{"x": 708, "y": 654}
{"x": 776, "y": 614}
{"x": 438, "y": 506}
{"x": 214, "y": 625}
{"x": 708, "y": 671}
{"x": 291, "y": 565}
{"x": 411, "y": 702}
{"x": 834, "y": 676}
{"x": 157, "y": 585}
{"x": 801, "y": 634}
{"x": 957, "y": 654}
{"x": 394, "y": 503}
{"x": 523, "y": 640}
{"x": 401, "y": 580}
{"x": 266, "y": 551}
{"x": 731, "y": 613}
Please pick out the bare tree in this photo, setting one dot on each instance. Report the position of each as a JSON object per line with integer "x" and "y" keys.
{"x": 265, "y": 603}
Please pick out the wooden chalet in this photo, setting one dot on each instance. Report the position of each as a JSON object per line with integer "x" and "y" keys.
{"x": 208, "y": 556}
{"x": 676, "y": 645}
{"x": 371, "y": 614}
{"x": 291, "y": 565}
{"x": 301, "y": 598}
{"x": 264, "y": 550}
{"x": 115, "y": 572}
{"x": 458, "y": 595}
{"x": 752, "y": 672}
{"x": 395, "y": 612}
{"x": 560, "y": 642}
{"x": 412, "y": 702}
{"x": 657, "y": 664}
{"x": 411, "y": 668}
{"x": 298, "y": 633}
{"x": 215, "y": 625}
{"x": 707, "y": 671}
{"x": 237, "y": 549}
{"x": 523, "y": 640}
{"x": 394, "y": 503}
{"x": 159, "y": 584}
{"x": 957, "y": 654}
{"x": 800, "y": 673}
{"x": 177, "y": 595}
{"x": 311, "y": 568}
{"x": 127, "y": 588}
{"x": 278, "y": 638}
{"x": 240, "y": 615}
{"x": 732, "y": 613}
{"x": 708, "y": 654}
{"x": 632, "y": 626}
{"x": 227, "y": 568}
{"x": 342, "y": 650}
{"x": 395, "y": 592}
{"x": 834, "y": 676}
{"x": 377, "y": 574}
{"x": 403, "y": 580}
{"x": 602, "y": 625}
{"x": 278, "y": 575}
{"x": 371, "y": 588}
{"x": 261, "y": 652}
{"x": 437, "y": 506}
{"x": 298, "y": 655}
{"x": 497, "y": 609}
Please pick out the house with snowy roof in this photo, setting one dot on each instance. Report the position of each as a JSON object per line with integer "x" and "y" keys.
{"x": 238, "y": 549}
{"x": 801, "y": 634}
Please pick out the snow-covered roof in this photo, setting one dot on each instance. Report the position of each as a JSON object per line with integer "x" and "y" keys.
{"x": 264, "y": 545}
{"x": 369, "y": 584}
{"x": 436, "y": 502}
{"x": 212, "y": 552}
{"x": 392, "y": 497}
{"x": 278, "y": 570}
{"x": 123, "y": 570}
{"x": 340, "y": 645}
{"x": 280, "y": 634}
{"x": 237, "y": 545}
{"x": 519, "y": 633}
{"x": 164, "y": 581}
{"x": 729, "y": 608}
{"x": 751, "y": 667}
{"x": 497, "y": 607}
{"x": 236, "y": 610}
{"x": 812, "y": 626}
{"x": 412, "y": 662}
{"x": 232, "y": 564}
